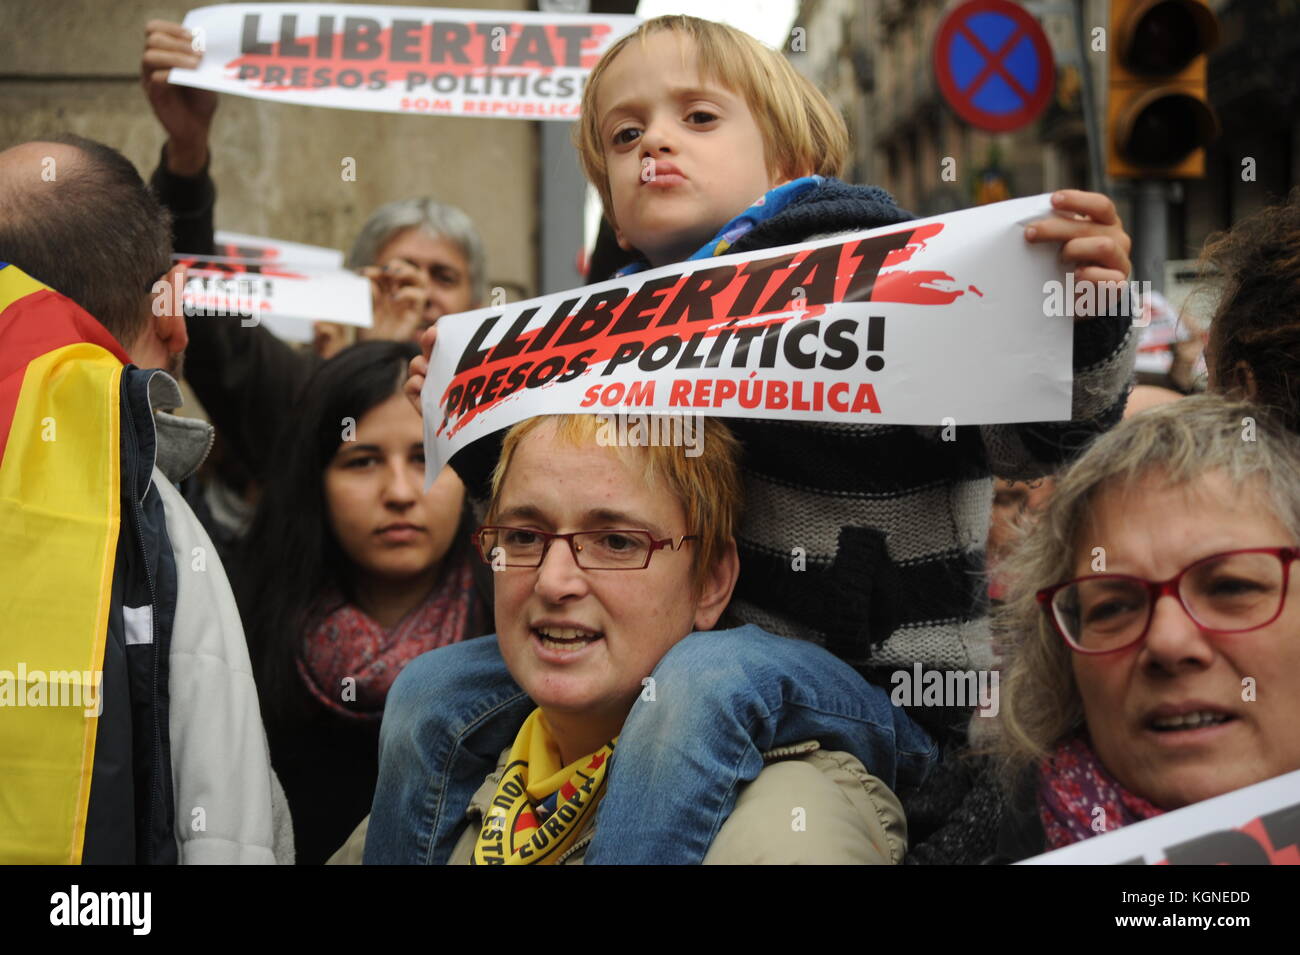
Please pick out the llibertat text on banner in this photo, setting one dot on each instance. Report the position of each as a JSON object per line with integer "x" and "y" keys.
{"x": 936, "y": 321}
{"x": 416, "y": 60}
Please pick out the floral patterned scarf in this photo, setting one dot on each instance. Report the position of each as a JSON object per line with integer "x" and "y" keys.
{"x": 349, "y": 661}
{"x": 1078, "y": 799}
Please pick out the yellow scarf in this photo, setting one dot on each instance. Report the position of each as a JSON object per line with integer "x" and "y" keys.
{"x": 540, "y": 806}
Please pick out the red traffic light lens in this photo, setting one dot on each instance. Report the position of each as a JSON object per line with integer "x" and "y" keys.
{"x": 1164, "y": 37}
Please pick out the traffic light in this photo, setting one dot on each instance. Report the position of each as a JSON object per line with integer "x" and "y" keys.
{"x": 1159, "y": 120}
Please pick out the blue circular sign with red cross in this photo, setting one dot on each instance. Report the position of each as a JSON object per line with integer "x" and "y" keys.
{"x": 993, "y": 64}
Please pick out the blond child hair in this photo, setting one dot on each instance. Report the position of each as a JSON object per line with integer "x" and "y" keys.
{"x": 802, "y": 132}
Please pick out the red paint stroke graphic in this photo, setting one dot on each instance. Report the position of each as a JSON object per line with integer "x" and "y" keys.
{"x": 914, "y": 245}
{"x": 256, "y": 261}
{"x": 916, "y": 288}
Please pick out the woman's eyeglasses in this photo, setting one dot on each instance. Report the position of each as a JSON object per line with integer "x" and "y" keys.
{"x": 592, "y": 550}
{"x": 1232, "y": 592}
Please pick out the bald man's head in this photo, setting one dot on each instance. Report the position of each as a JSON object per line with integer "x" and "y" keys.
{"x": 76, "y": 215}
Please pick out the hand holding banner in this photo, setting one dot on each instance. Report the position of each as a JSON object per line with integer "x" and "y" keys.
{"x": 933, "y": 322}
{"x": 401, "y": 59}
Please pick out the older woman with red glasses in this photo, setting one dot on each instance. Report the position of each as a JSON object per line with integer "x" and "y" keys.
{"x": 1152, "y": 638}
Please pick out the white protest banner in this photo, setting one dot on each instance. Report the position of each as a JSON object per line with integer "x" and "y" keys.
{"x": 1162, "y": 329}
{"x": 506, "y": 63}
{"x": 1257, "y": 825}
{"x": 252, "y": 249}
{"x": 1193, "y": 289}
{"x": 287, "y": 285}
{"x": 237, "y": 245}
{"x": 937, "y": 321}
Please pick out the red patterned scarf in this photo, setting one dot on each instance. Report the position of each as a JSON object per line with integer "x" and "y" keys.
{"x": 349, "y": 661}
{"x": 1078, "y": 799}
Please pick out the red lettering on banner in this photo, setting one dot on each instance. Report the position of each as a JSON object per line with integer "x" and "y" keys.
{"x": 774, "y": 394}
{"x": 641, "y": 393}
{"x": 633, "y": 394}
{"x": 865, "y": 400}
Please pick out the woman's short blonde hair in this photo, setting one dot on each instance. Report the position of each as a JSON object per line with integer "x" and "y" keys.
{"x": 802, "y": 132}
{"x": 707, "y": 486}
{"x": 1178, "y": 442}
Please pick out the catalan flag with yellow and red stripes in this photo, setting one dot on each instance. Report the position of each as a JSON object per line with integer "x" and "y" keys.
{"x": 60, "y": 476}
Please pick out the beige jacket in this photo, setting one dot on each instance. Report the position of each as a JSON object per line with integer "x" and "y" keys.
{"x": 807, "y": 806}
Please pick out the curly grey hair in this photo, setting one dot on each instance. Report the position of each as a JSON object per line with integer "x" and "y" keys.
{"x": 1180, "y": 441}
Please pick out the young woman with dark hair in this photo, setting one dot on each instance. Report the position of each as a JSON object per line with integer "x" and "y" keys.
{"x": 350, "y": 570}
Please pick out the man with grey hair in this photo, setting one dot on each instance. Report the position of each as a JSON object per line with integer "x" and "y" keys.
{"x": 424, "y": 260}
{"x": 404, "y": 230}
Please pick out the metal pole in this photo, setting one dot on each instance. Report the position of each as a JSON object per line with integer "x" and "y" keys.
{"x": 1152, "y": 232}
{"x": 562, "y": 192}
{"x": 1096, "y": 164}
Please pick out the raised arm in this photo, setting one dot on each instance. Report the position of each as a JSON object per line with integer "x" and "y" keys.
{"x": 246, "y": 378}
{"x": 181, "y": 180}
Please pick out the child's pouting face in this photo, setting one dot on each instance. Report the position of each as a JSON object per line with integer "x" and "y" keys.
{"x": 708, "y": 158}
